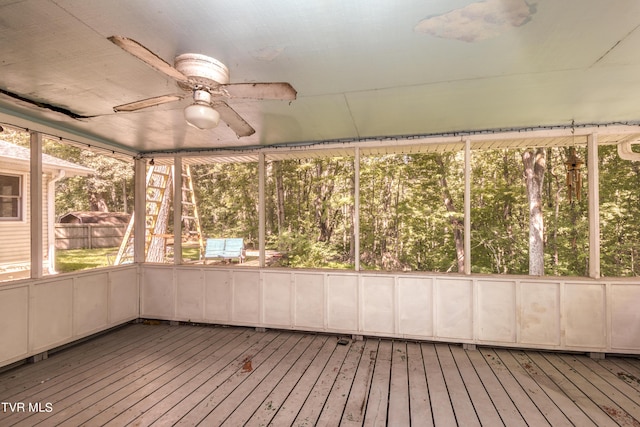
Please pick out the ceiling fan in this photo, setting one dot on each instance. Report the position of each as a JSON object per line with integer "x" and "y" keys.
{"x": 208, "y": 80}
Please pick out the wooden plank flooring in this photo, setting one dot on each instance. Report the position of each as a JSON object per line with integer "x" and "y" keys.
{"x": 156, "y": 374}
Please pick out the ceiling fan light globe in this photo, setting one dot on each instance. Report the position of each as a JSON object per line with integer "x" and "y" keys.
{"x": 201, "y": 116}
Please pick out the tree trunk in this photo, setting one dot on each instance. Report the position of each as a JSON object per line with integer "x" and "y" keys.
{"x": 324, "y": 191}
{"x": 98, "y": 203}
{"x": 534, "y": 167}
{"x": 277, "y": 170}
{"x": 352, "y": 215}
{"x": 457, "y": 223}
{"x": 125, "y": 207}
{"x": 157, "y": 246}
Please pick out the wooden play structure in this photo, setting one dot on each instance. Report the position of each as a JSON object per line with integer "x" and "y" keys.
{"x": 158, "y": 242}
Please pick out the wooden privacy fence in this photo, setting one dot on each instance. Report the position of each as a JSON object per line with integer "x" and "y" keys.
{"x": 89, "y": 236}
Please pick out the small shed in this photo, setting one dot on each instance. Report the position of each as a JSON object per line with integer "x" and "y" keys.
{"x": 91, "y": 229}
{"x": 95, "y": 217}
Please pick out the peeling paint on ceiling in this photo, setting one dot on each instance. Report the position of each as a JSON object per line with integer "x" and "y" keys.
{"x": 478, "y": 21}
{"x": 267, "y": 53}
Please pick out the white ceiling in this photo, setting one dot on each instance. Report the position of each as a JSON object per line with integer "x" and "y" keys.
{"x": 363, "y": 68}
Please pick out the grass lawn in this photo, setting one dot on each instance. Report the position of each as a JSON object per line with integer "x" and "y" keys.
{"x": 83, "y": 259}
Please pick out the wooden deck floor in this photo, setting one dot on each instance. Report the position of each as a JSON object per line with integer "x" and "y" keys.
{"x": 189, "y": 375}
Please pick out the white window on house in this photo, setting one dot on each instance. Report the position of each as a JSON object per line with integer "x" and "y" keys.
{"x": 10, "y": 197}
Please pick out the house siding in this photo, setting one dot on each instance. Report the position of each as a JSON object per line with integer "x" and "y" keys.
{"x": 15, "y": 246}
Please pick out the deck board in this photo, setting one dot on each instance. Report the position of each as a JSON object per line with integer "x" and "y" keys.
{"x": 534, "y": 391}
{"x": 265, "y": 399}
{"x": 252, "y": 370}
{"x": 573, "y": 392}
{"x": 356, "y": 405}
{"x": 602, "y": 394}
{"x": 442, "y": 409}
{"x": 499, "y": 397}
{"x": 621, "y": 369}
{"x": 109, "y": 398}
{"x": 419, "y": 402}
{"x": 326, "y": 384}
{"x": 526, "y": 407}
{"x": 74, "y": 392}
{"x": 460, "y": 400}
{"x": 378, "y": 400}
{"x": 193, "y": 392}
{"x": 158, "y": 390}
{"x": 274, "y": 401}
{"x": 157, "y": 374}
{"x": 399, "y": 405}
{"x": 84, "y": 358}
{"x": 158, "y": 377}
{"x": 575, "y": 413}
{"x": 484, "y": 408}
{"x": 316, "y": 377}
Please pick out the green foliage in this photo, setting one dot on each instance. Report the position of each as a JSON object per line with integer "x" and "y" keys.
{"x": 405, "y": 224}
{"x": 500, "y": 221}
{"x": 411, "y": 209}
{"x": 499, "y": 215}
{"x": 304, "y": 253}
{"x": 109, "y": 188}
{"x": 412, "y": 205}
{"x": 619, "y": 214}
{"x": 227, "y": 197}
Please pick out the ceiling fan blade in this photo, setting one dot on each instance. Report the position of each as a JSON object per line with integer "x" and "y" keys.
{"x": 145, "y": 103}
{"x": 150, "y": 58}
{"x": 260, "y": 90}
{"x": 233, "y": 119}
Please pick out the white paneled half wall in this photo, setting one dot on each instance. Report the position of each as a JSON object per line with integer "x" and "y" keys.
{"x": 575, "y": 314}
{"x": 39, "y": 315}
{"x": 571, "y": 314}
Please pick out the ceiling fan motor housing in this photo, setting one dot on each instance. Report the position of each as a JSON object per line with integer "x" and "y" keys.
{"x": 201, "y": 70}
{"x": 201, "y": 97}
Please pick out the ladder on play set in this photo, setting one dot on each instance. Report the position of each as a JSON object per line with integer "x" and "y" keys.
{"x": 159, "y": 191}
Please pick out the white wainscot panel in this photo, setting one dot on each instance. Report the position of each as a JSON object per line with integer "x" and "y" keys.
{"x": 540, "y": 313}
{"x": 496, "y": 311}
{"x": 158, "y": 292}
{"x": 585, "y": 316}
{"x": 217, "y": 295}
{"x": 51, "y": 313}
{"x": 415, "y": 306}
{"x": 246, "y": 297}
{"x": 90, "y": 303}
{"x": 190, "y": 293}
{"x": 277, "y": 299}
{"x": 14, "y": 321}
{"x": 342, "y": 302}
{"x": 454, "y": 302}
{"x": 123, "y": 295}
{"x": 309, "y": 300}
{"x": 625, "y": 317}
{"x": 377, "y": 304}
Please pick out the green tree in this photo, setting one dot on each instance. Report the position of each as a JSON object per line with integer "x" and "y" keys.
{"x": 227, "y": 197}
{"x": 535, "y": 165}
{"x": 619, "y": 214}
{"x": 499, "y": 218}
